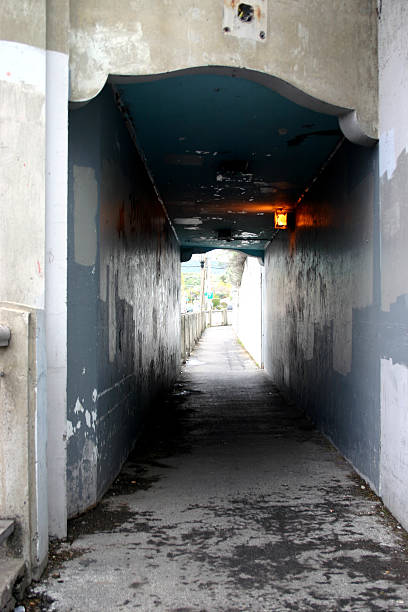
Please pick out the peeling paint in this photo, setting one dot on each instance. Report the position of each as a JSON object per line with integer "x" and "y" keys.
{"x": 78, "y": 407}
{"x": 247, "y": 235}
{"x": 86, "y": 203}
{"x": 388, "y": 160}
{"x": 70, "y": 430}
{"x": 188, "y": 221}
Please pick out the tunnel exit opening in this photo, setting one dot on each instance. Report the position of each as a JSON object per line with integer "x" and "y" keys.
{"x": 223, "y": 287}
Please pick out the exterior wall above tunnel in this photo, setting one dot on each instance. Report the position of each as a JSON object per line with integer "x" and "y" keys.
{"x": 326, "y": 50}
{"x": 123, "y": 299}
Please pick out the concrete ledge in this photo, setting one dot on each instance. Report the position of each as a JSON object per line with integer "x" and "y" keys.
{"x": 12, "y": 577}
{"x": 6, "y": 529}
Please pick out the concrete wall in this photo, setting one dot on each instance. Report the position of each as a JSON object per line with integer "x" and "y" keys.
{"x": 393, "y": 64}
{"x": 123, "y": 299}
{"x": 23, "y": 144}
{"x": 23, "y": 422}
{"x": 326, "y": 49}
{"x": 33, "y": 179}
{"x": 322, "y": 293}
{"x": 247, "y": 319}
{"x": 33, "y": 175}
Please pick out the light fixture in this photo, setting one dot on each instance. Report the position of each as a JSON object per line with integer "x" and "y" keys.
{"x": 281, "y": 219}
{"x": 225, "y": 234}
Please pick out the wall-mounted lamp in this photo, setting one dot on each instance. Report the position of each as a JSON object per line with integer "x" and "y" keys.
{"x": 281, "y": 219}
{"x": 225, "y": 234}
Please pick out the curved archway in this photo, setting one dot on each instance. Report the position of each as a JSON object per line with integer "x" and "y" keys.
{"x": 348, "y": 119}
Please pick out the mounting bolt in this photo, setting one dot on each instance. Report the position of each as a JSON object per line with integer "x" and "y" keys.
{"x": 2, "y": 374}
{"x": 262, "y": 34}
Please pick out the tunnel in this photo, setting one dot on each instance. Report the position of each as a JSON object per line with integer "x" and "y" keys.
{"x": 135, "y": 137}
{"x": 166, "y": 166}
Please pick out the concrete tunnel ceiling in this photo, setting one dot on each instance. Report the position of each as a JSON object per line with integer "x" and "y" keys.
{"x": 225, "y": 152}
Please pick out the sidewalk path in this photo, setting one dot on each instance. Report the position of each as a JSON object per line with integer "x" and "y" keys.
{"x": 232, "y": 503}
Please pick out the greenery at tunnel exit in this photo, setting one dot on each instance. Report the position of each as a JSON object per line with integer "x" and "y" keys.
{"x": 223, "y": 276}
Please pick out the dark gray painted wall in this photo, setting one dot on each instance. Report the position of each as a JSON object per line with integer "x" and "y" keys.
{"x": 322, "y": 301}
{"x": 123, "y": 299}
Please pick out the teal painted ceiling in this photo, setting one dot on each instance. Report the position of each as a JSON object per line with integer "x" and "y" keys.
{"x": 225, "y": 152}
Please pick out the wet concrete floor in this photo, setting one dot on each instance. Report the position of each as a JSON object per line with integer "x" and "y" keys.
{"x": 232, "y": 502}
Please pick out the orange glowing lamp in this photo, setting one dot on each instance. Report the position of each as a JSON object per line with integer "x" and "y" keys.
{"x": 281, "y": 219}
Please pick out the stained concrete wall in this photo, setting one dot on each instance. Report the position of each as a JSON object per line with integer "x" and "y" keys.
{"x": 322, "y": 294}
{"x": 33, "y": 179}
{"x": 22, "y": 145}
{"x": 123, "y": 299}
{"x": 393, "y": 70}
{"x": 33, "y": 56}
{"x": 247, "y": 318}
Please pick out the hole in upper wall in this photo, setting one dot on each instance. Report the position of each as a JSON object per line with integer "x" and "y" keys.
{"x": 245, "y": 12}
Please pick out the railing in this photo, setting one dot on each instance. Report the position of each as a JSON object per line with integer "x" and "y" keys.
{"x": 194, "y": 323}
{"x": 192, "y": 326}
{"x": 220, "y": 317}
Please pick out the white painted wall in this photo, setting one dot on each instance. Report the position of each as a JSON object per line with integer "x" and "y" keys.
{"x": 394, "y": 438}
{"x": 56, "y": 285}
{"x": 247, "y": 321}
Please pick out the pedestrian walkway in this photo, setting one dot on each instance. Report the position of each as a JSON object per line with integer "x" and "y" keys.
{"x": 232, "y": 503}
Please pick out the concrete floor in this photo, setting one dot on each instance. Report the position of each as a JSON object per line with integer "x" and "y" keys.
{"x": 232, "y": 503}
